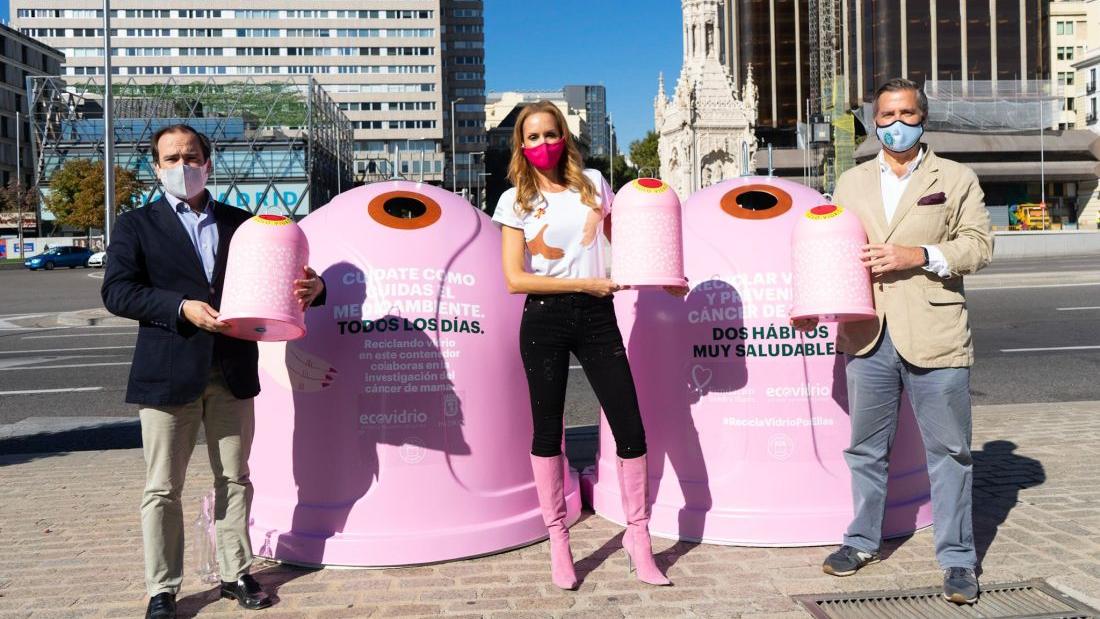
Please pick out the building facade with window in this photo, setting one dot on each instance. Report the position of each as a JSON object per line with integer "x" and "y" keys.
{"x": 592, "y": 99}
{"x": 392, "y": 67}
{"x": 923, "y": 40}
{"x": 23, "y": 57}
{"x": 1068, "y": 34}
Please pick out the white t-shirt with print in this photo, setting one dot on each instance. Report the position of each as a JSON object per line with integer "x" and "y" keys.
{"x": 565, "y": 237}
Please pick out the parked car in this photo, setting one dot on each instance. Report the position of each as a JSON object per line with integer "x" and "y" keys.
{"x": 97, "y": 259}
{"x": 61, "y": 256}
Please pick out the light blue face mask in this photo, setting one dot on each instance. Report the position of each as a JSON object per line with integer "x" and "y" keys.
{"x": 898, "y": 136}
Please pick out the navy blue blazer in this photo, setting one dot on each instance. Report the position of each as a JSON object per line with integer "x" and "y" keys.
{"x": 152, "y": 266}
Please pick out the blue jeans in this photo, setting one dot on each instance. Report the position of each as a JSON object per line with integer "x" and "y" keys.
{"x": 941, "y": 403}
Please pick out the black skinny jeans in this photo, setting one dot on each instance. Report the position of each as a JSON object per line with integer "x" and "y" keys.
{"x": 553, "y": 326}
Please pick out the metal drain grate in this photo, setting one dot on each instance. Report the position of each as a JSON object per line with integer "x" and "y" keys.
{"x": 1033, "y": 599}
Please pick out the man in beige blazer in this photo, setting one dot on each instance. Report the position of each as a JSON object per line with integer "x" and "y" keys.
{"x": 927, "y": 226}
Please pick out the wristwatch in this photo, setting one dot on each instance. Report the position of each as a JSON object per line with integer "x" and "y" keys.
{"x": 926, "y": 258}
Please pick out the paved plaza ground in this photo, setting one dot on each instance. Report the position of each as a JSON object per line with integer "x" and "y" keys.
{"x": 70, "y": 545}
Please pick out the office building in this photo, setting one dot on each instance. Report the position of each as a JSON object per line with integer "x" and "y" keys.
{"x": 393, "y": 68}
{"x": 872, "y": 41}
{"x": 23, "y": 56}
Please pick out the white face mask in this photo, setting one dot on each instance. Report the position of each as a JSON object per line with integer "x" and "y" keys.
{"x": 184, "y": 181}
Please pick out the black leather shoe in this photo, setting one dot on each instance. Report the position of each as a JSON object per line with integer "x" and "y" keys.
{"x": 161, "y": 606}
{"x": 247, "y": 592}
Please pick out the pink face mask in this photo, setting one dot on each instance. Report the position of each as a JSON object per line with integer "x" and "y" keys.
{"x": 545, "y": 156}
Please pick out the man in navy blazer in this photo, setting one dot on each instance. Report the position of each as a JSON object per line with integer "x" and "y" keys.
{"x": 165, "y": 269}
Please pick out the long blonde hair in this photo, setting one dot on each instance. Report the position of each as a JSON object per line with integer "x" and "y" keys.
{"x": 571, "y": 166}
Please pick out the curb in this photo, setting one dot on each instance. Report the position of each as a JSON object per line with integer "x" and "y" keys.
{"x": 92, "y": 317}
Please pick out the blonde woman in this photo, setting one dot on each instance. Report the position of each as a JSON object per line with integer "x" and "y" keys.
{"x": 553, "y": 250}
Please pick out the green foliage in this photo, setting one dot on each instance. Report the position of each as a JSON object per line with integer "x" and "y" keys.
{"x": 76, "y": 195}
{"x": 270, "y": 104}
{"x": 623, "y": 172}
{"x": 643, "y": 153}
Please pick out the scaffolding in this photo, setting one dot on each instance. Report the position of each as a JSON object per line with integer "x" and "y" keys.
{"x": 280, "y": 145}
{"x": 1003, "y": 106}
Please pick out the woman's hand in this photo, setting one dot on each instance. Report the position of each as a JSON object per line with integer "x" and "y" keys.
{"x": 679, "y": 291}
{"x": 600, "y": 287}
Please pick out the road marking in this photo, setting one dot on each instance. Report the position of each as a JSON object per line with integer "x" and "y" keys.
{"x": 95, "y": 275}
{"x": 1051, "y": 349}
{"x": 972, "y": 289}
{"x": 17, "y": 352}
{"x": 38, "y": 391}
{"x": 576, "y": 367}
{"x": 51, "y": 337}
{"x": 1077, "y": 309}
{"x": 60, "y": 367}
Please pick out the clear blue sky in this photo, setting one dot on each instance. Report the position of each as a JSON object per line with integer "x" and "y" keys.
{"x": 621, "y": 44}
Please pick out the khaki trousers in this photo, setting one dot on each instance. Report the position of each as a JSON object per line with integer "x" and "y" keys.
{"x": 168, "y": 436}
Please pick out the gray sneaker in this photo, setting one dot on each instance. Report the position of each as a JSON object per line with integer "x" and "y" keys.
{"x": 960, "y": 585}
{"x": 847, "y": 560}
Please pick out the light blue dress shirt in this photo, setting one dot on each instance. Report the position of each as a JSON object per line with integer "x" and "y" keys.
{"x": 202, "y": 230}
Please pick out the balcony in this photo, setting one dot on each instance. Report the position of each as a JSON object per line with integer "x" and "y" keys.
{"x": 1090, "y": 118}
{"x": 1090, "y": 87}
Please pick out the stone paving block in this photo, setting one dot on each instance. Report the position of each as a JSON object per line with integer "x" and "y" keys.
{"x": 352, "y": 612}
{"x": 73, "y": 519}
{"x": 409, "y": 610}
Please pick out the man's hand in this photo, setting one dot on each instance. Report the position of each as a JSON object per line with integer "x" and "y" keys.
{"x": 203, "y": 316}
{"x": 307, "y": 289}
{"x": 884, "y": 258}
{"x": 805, "y": 325}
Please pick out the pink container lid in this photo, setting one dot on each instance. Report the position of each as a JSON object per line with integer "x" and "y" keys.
{"x": 746, "y": 421}
{"x": 647, "y": 244}
{"x": 830, "y": 282}
{"x": 266, "y": 255}
{"x": 398, "y": 430}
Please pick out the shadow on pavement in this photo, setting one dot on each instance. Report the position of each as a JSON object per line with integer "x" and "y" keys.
{"x": 271, "y": 578}
{"x": 1002, "y": 474}
{"x": 120, "y": 434}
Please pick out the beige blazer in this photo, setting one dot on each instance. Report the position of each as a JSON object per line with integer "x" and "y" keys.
{"x": 924, "y": 313}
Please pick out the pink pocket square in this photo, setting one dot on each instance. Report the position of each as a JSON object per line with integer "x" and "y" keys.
{"x": 932, "y": 199}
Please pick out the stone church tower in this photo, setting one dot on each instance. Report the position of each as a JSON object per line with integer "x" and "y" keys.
{"x": 703, "y": 127}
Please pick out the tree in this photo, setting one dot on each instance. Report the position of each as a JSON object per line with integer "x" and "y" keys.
{"x": 623, "y": 172}
{"x": 10, "y": 197}
{"x": 76, "y": 195}
{"x": 643, "y": 153}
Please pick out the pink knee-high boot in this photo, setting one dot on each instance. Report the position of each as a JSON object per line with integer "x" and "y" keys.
{"x": 550, "y": 484}
{"x": 634, "y": 487}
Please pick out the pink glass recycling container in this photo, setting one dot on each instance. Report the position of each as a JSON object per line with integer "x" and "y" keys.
{"x": 745, "y": 418}
{"x": 398, "y": 430}
{"x": 830, "y": 282}
{"x": 647, "y": 240}
{"x": 266, "y": 255}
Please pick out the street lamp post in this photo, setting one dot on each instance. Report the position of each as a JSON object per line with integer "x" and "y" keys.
{"x": 470, "y": 171}
{"x": 481, "y": 204}
{"x": 611, "y": 148}
{"x": 108, "y": 129}
{"x": 1042, "y": 167}
{"x": 19, "y": 177}
{"x": 454, "y": 158}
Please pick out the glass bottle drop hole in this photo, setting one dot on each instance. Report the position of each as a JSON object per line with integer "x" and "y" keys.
{"x": 404, "y": 208}
{"x": 757, "y": 201}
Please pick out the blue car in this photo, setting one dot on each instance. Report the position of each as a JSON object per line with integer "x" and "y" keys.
{"x": 61, "y": 256}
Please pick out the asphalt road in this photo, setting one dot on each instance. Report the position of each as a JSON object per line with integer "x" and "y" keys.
{"x": 1036, "y": 328}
